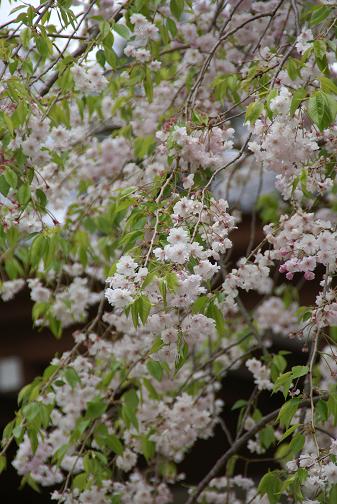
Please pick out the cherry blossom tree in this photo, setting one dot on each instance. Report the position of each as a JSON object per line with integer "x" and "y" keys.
{"x": 124, "y": 127}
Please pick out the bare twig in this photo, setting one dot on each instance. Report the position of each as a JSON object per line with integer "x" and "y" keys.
{"x": 296, "y": 15}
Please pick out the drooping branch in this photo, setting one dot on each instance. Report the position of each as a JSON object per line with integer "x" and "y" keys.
{"x": 237, "y": 445}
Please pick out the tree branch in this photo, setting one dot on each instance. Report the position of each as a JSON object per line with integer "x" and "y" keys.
{"x": 221, "y": 462}
{"x": 77, "y": 53}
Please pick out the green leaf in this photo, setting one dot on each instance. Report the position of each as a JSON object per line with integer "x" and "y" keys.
{"x": 271, "y": 485}
{"x": 20, "y": 114}
{"x": 60, "y": 453}
{"x": 11, "y": 177}
{"x": 23, "y": 395}
{"x": 50, "y": 371}
{"x": 164, "y": 34}
{"x": 31, "y": 411}
{"x": 80, "y": 481}
{"x": 240, "y": 403}
{"x": 319, "y": 49}
{"x": 298, "y": 371}
{"x": 182, "y": 357}
{"x": 28, "y": 480}
{"x": 148, "y": 447}
{"x": 168, "y": 470}
{"x": 332, "y": 407}
{"x": 43, "y": 45}
{"x": 171, "y": 26}
{"x": 100, "y": 57}
{"x": 144, "y": 308}
{"x": 37, "y": 415}
{"x": 287, "y": 411}
{"x": 148, "y": 85}
{"x": 3, "y": 463}
{"x": 24, "y": 194}
{"x": 333, "y": 495}
{"x": 177, "y": 8}
{"x": 151, "y": 390}
{"x": 39, "y": 309}
{"x": 96, "y": 408}
{"x": 319, "y": 14}
{"x": 294, "y": 68}
{"x": 172, "y": 281}
{"x": 4, "y": 186}
{"x": 108, "y": 376}
{"x": 163, "y": 291}
{"x": 25, "y": 36}
{"x": 144, "y": 146}
{"x": 104, "y": 28}
{"x": 110, "y": 56}
{"x": 299, "y": 95}
{"x": 230, "y": 466}
{"x": 157, "y": 345}
{"x": 148, "y": 279}
{"x": 214, "y": 312}
{"x": 55, "y": 327}
{"x": 33, "y": 438}
{"x": 322, "y": 411}
{"x": 155, "y": 369}
{"x": 267, "y": 436}
{"x": 333, "y": 333}
{"x": 279, "y": 364}
{"x": 296, "y": 444}
{"x": 268, "y": 206}
{"x": 130, "y": 404}
{"x": 140, "y": 309}
{"x": 200, "y": 304}
{"x": 122, "y": 30}
{"x": 130, "y": 398}
{"x": 71, "y": 376}
{"x": 8, "y": 122}
{"x": 8, "y": 430}
{"x": 38, "y": 249}
{"x": 253, "y": 112}
{"x": 65, "y": 80}
{"x": 288, "y": 432}
{"x": 328, "y": 86}
{"x": 115, "y": 444}
{"x": 322, "y": 109}
{"x": 41, "y": 198}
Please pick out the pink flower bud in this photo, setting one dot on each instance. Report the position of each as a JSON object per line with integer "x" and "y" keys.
{"x": 309, "y": 275}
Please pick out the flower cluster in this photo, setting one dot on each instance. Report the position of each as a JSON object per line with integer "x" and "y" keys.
{"x": 271, "y": 315}
{"x": 89, "y": 80}
{"x": 261, "y": 374}
{"x": 143, "y": 32}
{"x": 302, "y": 243}
{"x": 198, "y": 148}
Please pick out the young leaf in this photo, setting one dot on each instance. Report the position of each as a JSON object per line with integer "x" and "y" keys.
{"x": 298, "y": 371}
{"x": 322, "y": 109}
{"x": 177, "y": 8}
{"x": 155, "y": 369}
{"x": 299, "y": 95}
{"x": 287, "y": 412}
{"x": 271, "y": 485}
